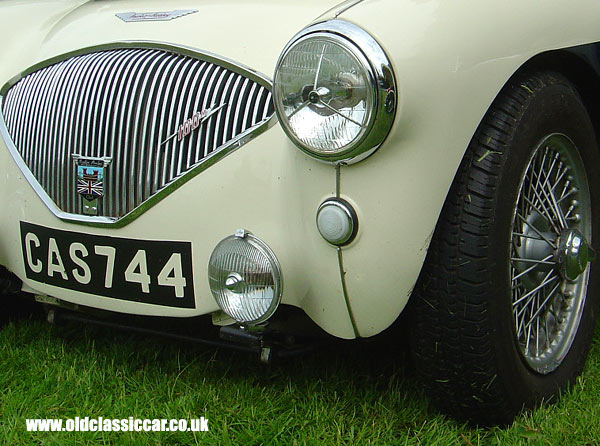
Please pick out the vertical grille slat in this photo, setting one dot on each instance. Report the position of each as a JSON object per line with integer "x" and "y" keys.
{"x": 199, "y": 106}
{"x": 189, "y": 110}
{"x": 148, "y": 112}
{"x": 178, "y": 112}
{"x": 120, "y": 125}
{"x": 166, "y": 124}
{"x": 239, "y": 106}
{"x": 129, "y": 166}
{"x": 220, "y": 118}
{"x": 124, "y": 104}
{"x": 207, "y": 103}
{"x": 38, "y": 121}
{"x": 26, "y": 118}
{"x": 66, "y": 146}
{"x": 143, "y": 107}
{"x": 56, "y": 162}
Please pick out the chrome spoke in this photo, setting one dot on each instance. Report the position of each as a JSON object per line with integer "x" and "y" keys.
{"x": 537, "y": 329}
{"x": 527, "y": 308}
{"x": 548, "y": 218}
{"x": 555, "y": 210}
{"x": 539, "y": 287}
{"x": 564, "y": 197}
{"x": 536, "y": 261}
{"x": 568, "y": 213}
{"x": 531, "y": 268}
{"x": 534, "y": 229}
{"x": 526, "y": 236}
{"x": 540, "y": 308}
{"x": 559, "y": 178}
{"x": 546, "y": 330}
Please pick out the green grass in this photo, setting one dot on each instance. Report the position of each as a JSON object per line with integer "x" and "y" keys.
{"x": 359, "y": 393}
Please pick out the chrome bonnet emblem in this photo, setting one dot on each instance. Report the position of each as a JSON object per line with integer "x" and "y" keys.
{"x": 154, "y": 16}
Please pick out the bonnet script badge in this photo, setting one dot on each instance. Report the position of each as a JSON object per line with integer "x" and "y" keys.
{"x": 154, "y": 16}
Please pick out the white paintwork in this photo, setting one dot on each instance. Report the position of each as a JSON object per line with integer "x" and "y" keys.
{"x": 450, "y": 60}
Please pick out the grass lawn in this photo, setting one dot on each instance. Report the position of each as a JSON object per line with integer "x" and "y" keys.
{"x": 359, "y": 393}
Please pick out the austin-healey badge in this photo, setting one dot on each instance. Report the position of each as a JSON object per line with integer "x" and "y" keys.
{"x": 90, "y": 174}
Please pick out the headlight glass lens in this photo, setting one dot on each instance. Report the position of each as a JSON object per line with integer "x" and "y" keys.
{"x": 245, "y": 278}
{"x": 324, "y": 94}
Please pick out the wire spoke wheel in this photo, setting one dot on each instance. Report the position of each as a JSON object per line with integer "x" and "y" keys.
{"x": 552, "y": 215}
{"x": 506, "y": 303}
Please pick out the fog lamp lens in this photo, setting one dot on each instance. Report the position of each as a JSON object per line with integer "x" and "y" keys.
{"x": 337, "y": 221}
{"x": 245, "y": 278}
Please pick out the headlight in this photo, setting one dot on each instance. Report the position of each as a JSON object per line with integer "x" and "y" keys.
{"x": 245, "y": 278}
{"x": 334, "y": 92}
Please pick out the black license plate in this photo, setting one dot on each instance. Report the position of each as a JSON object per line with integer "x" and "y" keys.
{"x": 149, "y": 271}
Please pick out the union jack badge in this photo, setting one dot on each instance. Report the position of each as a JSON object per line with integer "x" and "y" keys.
{"x": 90, "y": 173}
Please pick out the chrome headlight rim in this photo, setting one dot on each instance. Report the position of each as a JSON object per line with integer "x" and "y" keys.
{"x": 375, "y": 62}
{"x": 268, "y": 253}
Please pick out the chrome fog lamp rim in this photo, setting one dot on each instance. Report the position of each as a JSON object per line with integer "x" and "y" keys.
{"x": 381, "y": 77}
{"x": 349, "y": 213}
{"x": 234, "y": 277}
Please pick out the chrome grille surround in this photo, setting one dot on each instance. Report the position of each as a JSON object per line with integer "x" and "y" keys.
{"x": 122, "y": 101}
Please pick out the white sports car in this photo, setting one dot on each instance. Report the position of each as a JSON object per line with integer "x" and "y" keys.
{"x": 275, "y": 162}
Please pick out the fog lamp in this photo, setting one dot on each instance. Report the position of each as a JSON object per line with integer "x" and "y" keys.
{"x": 337, "y": 221}
{"x": 245, "y": 278}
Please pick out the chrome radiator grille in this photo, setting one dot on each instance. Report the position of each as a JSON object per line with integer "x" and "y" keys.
{"x": 127, "y": 105}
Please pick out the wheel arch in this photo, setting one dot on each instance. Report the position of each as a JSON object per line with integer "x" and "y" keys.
{"x": 581, "y": 66}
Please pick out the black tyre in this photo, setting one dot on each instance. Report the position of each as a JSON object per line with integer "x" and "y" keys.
{"x": 505, "y": 308}
{"x": 10, "y": 286}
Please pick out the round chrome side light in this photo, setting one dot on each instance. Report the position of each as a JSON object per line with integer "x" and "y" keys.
{"x": 337, "y": 221}
{"x": 245, "y": 278}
